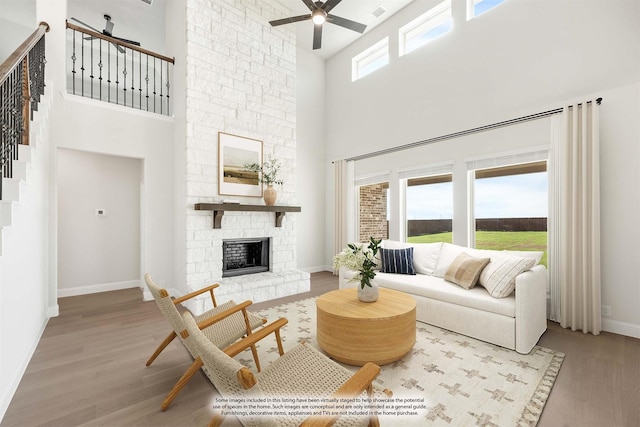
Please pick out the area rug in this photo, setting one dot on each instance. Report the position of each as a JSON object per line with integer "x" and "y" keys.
{"x": 450, "y": 379}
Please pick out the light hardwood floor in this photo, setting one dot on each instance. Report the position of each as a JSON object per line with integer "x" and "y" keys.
{"x": 89, "y": 369}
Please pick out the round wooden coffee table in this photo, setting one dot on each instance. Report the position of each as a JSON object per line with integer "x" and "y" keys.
{"x": 356, "y": 332}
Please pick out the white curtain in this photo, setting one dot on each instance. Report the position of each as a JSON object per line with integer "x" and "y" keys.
{"x": 575, "y": 230}
{"x": 343, "y": 181}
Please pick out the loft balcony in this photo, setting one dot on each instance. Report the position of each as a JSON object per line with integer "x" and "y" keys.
{"x": 119, "y": 72}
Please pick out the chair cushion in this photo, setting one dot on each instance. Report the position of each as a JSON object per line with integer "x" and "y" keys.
{"x": 230, "y": 329}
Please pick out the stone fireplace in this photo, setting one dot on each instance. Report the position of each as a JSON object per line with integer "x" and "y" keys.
{"x": 248, "y": 90}
{"x": 245, "y": 256}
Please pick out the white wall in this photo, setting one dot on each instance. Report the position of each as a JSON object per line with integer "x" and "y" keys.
{"x": 310, "y": 161}
{"x": 17, "y": 22}
{"x": 97, "y": 252}
{"x": 24, "y": 270}
{"x": 521, "y": 58}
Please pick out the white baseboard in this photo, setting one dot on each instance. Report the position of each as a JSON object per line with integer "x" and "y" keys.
{"x": 53, "y": 311}
{"x": 93, "y": 289}
{"x": 316, "y": 269}
{"x": 621, "y": 328}
{"x": 10, "y": 387}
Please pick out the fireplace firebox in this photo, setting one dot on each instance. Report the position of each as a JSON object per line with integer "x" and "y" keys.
{"x": 245, "y": 256}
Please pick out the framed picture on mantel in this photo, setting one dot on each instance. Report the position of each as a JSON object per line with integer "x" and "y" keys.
{"x": 234, "y": 152}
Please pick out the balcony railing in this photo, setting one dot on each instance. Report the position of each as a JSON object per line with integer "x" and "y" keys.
{"x": 110, "y": 70}
{"x": 21, "y": 85}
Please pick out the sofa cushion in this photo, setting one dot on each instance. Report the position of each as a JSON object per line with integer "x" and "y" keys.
{"x": 492, "y": 253}
{"x": 398, "y": 261}
{"x": 425, "y": 255}
{"x": 448, "y": 253}
{"x": 465, "y": 270}
{"x": 439, "y": 289}
{"x": 499, "y": 276}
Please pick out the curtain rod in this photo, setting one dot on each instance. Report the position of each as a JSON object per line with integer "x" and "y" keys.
{"x": 462, "y": 133}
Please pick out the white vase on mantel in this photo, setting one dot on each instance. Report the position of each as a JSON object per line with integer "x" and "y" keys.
{"x": 368, "y": 293}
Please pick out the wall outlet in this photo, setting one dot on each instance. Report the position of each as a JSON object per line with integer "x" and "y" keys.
{"x": 101, "y": 212}
{"x": 606, "y": 311}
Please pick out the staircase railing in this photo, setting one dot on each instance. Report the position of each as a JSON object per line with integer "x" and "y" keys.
{"x": 21, "y": 85}
{"x": 110, "y": 70}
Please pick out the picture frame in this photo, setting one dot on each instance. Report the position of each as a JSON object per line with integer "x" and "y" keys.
{"x": 234, "y": 152}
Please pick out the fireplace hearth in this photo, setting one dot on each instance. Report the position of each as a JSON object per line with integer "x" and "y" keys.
{"x": 245, "y": 256}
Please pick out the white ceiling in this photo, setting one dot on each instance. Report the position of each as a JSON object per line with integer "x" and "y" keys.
{"x": 334, "y": 37}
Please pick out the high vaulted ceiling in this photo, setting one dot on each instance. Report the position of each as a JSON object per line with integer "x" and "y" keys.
{"x": 335, "y": 38}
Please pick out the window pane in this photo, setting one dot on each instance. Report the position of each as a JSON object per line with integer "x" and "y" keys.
{"x": 481, "y": 6}
{"x": 429, "y": 209}
{"x": 373, "y": 211}
{"x": 511, "y": 209}
{"x": 370, "y": 59}
{"x": 425, "y": 28}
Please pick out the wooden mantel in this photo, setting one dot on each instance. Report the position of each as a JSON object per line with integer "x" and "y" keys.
{"x": 218, "y": 210}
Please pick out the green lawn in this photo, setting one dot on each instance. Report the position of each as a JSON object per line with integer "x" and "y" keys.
{"x": 500, "y": 240}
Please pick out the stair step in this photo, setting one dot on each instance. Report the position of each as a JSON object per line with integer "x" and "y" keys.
{"x": 6, "y": 213}
{"x": 11, "y": 188}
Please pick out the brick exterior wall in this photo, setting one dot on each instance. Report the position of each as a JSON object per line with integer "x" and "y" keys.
{"x": 373, "y": 212}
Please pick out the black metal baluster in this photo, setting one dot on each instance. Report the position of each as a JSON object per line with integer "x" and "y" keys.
{"x": 91, "y": 75}
{"x": 73, "y": 58}
{"x": 154, "y": 84}
{"x": 133, "y": 75}
{"x": 124, "y": 73}
{"x": 168, "y": 87}
{"x": 140, "y": 81}
{"x": 147, "y": 80}
{"x": 161, "y": 80}
{"x": 100, "y": 67}
{"x": 82, "y": 66}
{"x": 109, "y": 72}
{"x": 117, "y": 76}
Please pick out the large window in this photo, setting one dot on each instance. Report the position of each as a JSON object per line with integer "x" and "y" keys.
{"x": 371, "y": 59}
{"x": 429, "y": 209}
{"x": 426, "y": 27}
{"x": 511, "y": 207}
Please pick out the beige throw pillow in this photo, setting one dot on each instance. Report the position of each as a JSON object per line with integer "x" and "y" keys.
{"x": 499, "y": 277}
{"x": 465, "y": 270}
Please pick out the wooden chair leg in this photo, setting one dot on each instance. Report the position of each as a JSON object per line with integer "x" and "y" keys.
{"x": 184, "y": 379}
{"x": 217, "y": 420}
{"x": 254, "y": 351}
{"x": 161, "y": 347}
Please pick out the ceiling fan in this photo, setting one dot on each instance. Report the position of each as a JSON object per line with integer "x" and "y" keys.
{"x": 319, "y": 15}
{"x": 108, "y": 31}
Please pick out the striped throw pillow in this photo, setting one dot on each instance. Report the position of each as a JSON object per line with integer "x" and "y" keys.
{"x": 499, "y": 276}
{"x": 397, "y": 261}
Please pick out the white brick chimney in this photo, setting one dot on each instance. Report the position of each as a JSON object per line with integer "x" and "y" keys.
{"x": 241, "y": 76}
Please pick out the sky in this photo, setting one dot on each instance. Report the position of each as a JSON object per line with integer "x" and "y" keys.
{"x": 515, "y": 196}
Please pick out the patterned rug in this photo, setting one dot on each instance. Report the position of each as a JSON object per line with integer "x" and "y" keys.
{"x": 451, "y": 379}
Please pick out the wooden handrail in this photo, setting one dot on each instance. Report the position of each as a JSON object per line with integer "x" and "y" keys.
{"x": 119, "y": 42}
{"x": 15, "y": 59}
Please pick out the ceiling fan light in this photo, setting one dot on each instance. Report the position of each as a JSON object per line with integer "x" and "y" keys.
{"x": 319, "y": 17}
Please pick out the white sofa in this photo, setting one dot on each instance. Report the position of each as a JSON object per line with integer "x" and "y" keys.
{"x": 516, "y": 321}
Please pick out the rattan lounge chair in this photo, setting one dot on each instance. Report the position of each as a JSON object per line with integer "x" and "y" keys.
{"x": 222, "y": 325}
{"x": 301, "y": 372}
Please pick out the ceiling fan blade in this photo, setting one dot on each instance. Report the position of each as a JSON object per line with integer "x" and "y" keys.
{"x": 317, "y": 36}
{"x": 86, "y": 25}
{"x": 310, "y": 4}
{"x": 346, "y": 23}
{"x": 126, "y": 41}
{"x": 289, "y": 20}
{"x": 330, "y": 4}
